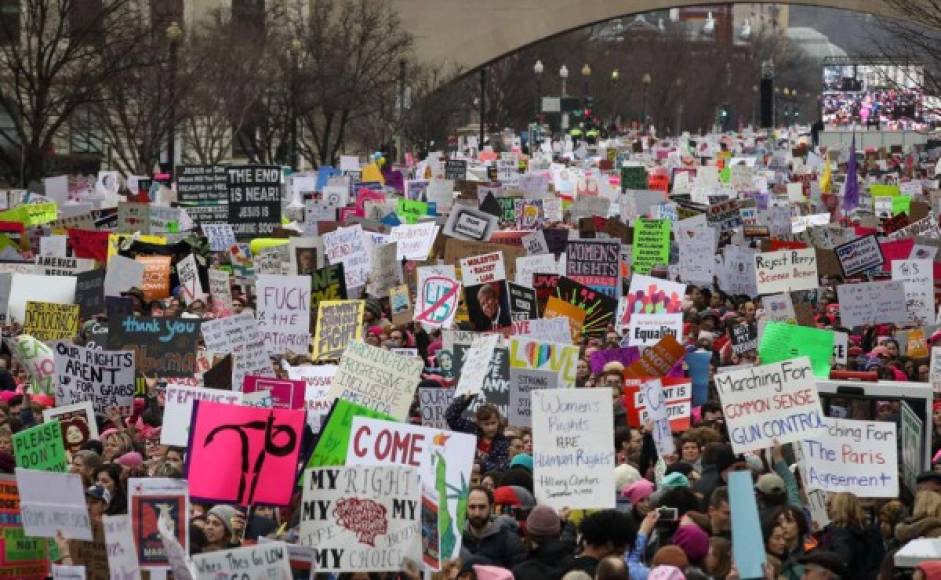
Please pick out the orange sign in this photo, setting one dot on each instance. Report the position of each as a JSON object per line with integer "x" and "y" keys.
{"x": 657, "y": 360}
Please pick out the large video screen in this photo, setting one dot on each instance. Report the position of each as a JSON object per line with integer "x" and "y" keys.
{"x": 884, "y": 96}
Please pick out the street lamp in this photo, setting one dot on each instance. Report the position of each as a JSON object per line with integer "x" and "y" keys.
{"x": 564, "y": 75}
{"x": 295, "y": 48}
{"x": 586, "y": 75}
{"x": 174, "y": 36}
{"x": 646, "y": 80}
{"x": 538, "y": 69}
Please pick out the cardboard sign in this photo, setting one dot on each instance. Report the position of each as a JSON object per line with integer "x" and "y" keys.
{"x": 338, "y": 323}
{"x": 786, "y": 271}
{"x": 334, "y": 439}
{"x": 748, "y": 550}
{"x": 657, "y": 360}
{"x": 362, "y": 519}
{"x": 283, "y": 312}
{"x": 106, "y": 378}
{"x": 537, "y": 365}
{"x": 600, "y": 309}
{"x": 77, "y": 422}
{"x": 267, "y": 560}
{"x": 122, "y": 561}
{"x": 437, "y": 297}
{"x": 163, "y": 347}
{"x": 483, "y": 269}
{"x": 648, "y": 329}
{"x": 772, "y": 402}
{"x": 651, "y": 245}
{"x": 573, "y": 462}
{"x": 858, "y": 457}
{"x": 241, "y": 336}
{"x": 873, "y": 303}
{"x": 52, "y": 504}
{"x": 860, "y": 255}
{"x": 254, "y": 196}
{"x": 243, "y": 455}
{"x": 467, "y": 223}
{"x": 36, "y": 288}
{"x": 595, "y": 263}
{"x": 523, "y": 302}
{"x": 444, "y": 460}
{"x": 744, "y": 338}
{"x": 47, "y": 322}
{"x": 434, "y": 401}
{"x": 90, "y": 293}
{"x": 178, "y": 410}
{"x": 377, "y": 379}
{"x": 677, "y": 395}
{"x": 648, "y": 295}
{"x": 152, "y": 502}
{"x": 285, "y": 393}
{"x": 347, "y": 246}
{"x": 22, "y": 557}
{"x": 918, "y": 278}
{"x": 40, "y": 447}
{"x": 476, "y": 365}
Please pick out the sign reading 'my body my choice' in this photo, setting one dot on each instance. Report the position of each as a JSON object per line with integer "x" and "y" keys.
{"x": 774, "y": 402}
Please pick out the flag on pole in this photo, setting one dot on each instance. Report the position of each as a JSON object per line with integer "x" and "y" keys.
{"x": 851, "y": 193}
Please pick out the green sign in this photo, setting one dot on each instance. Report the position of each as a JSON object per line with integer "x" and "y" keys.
{"x": 911, "y": 432}
{"x": 651, "y": 244}
{"x": 330, "y": 450}
{"x": 40, "y": 447}
{"x": 633, "y": 177}
{"x": 18, "y": 547}
{"x": 781, "y": 341}
{"x": 411, "y": 210}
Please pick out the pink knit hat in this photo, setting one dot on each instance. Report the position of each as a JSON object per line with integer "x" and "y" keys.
{"x": 637, "y": 491}
{"x": 492, "y": 573}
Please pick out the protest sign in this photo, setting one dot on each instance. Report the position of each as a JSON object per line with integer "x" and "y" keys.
{"x": 40, "y": 447}
{"x": 362, "y": 519}
{"x": 444, "y": 460}
{"x": 62, "y": 266}
{"x": 122, "y": 561}
{"x": 648, "y": 295}
{"x": 347, "y": 246}
{"x": 191, "y": 287}
{"x": 38, "y": 288}
{"x": 254, "y": 197}
{"x": 768, "y": 403}
{"x": 744, "y": 338}
{"x": 657, "y": 360}
{"x": 748, "y": 549}
{"x": 220, "y": 292}
{"x": 241, "y": 336}
{"x": 573, "y": 461}
{"x": 47, "y": 322}
{"x": 677, "y": 396}
{"x": 161, "y": 346}
{"x": 434, "y": 402}
{"x": 70, "y": 572}
{"x": 123, "y": 274}
{"x": 496, "y": 382}
{"x": 918, "y": 278}
{"x": 219, "y": 236}
{"x": 476, "y": 365}
{"x": 106, "y": 378}
{"x": 537, "y": 365}
{"x": 873, "y": 303}
{"x": 655, "y": 407}
{"x": 283, "y": 312}
{"x": 724, "y": 216}
{"x": 599, "y": 309}
{"x": 696, "y": 253}
{"x": 786, "y": 271}
{"x": 155, "y": 501}
{"x": 468, "y": 223}
{"x": 268, "y": 560}
{"x": 483, "y": 269}
{"x": 651, "y": 245}
{"x": 327, "y": 283}
{"x": 285, "y": 393}
{"x": 77, "y": 423}
{"x": 90, "y": 293}
{"x": 860, "y": 255}
{"x": 414, "y": 241}
{"x": 53, "y": 503}
{"x": 334, "y": 438}
{"x": 549, "y": 330}
{"x": 437, "y": 297}
{"x": 911, "y": 434}
{"x": 595, "y": 264}
{"x": 256, "y": 466}
{"x": 528, "y": 266}
{"x": 338, "y": 323}
{"x": 648, "y": 329}
{"x": 178, "y": 410}
{"x": 22, "y": 557}
{"x": 376, "y": 379}
{"x": 523, "y": 304}
{"x": 858, "y": 457}
{"x": 781, "y": 341}
{"x": 39, "y": 361}
{"x": 155, "y": 282}
{"x": 203, "y": 191}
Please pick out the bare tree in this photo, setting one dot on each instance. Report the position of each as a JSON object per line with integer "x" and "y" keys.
{"x": 51, "y": 65}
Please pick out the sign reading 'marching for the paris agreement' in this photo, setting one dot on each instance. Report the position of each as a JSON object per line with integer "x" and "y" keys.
{"x": 774, "y": 402}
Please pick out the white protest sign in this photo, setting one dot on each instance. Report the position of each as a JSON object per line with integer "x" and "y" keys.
{"x": 362, "y": 518}
{"x": 526, "y": 266}
{"x": 269, "y": 560}
{"x": 414, "y": 240}
{"x": 655, "y": 404}
{"x": 220, "y": 292}
{"x": 482, "y": 269}
{"x": 470, "y": 223}
{"x": 872, "y": 303}
{"x": 840, "y": 347}
{"x": 696, "y": 251}
{"x": 176, "y": 554}
{"x": 476, "y": 365}
{"x": 934, "y": 373}
{"x": 573, "y": 460}
{"x": 376, "y": 378}
{"x": 860, "y": 255}
{"x": 178, "y": 410}
{"x": 52, "y": 246}
{"x": 348, "y": 246}
{"x": 535, "y": 243}
{"x": 859, "y": 457}
{"x": 62, "y": 266}
{"x": 65, "y": 572}
{"x": 544, "y": 329}
{"x": 384, "y": 269}
{"x": 318, "y": 380}
{"x": 37, "y": 288}
{"x": 240, "y": 335}
{"x": 122, "y": 275}
{"x": 191, "y": 287}
{"x": 786, "y": 271}
{"x": 53, "y": 503}
{"x": 918, "y": 278}
{"x": 220, "y": 236}
{"x": 122, "y": 554}
{"x": 104, "y": 377}
{"x": 283, "y": 312}
{"x": 771, "y": 402}
{"x": 778, "y": 307}
{"x": 648, "y": 329}
{"x": 438, "y": 293}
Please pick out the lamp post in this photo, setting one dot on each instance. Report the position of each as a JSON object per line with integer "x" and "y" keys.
{"x": 296, "y": 48}
{"x": 174, "y": 35}
{"x": 646, "y": 80}
{"x": 538, "y": 69}
{"x": 564, "y": 75}
{"x": 615, "y": 79}
{"x": 586, "y": 77}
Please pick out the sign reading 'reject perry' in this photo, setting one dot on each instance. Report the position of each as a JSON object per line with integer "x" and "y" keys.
{"x": 786, "y": 271}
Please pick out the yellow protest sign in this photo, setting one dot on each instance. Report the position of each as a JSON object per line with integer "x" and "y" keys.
{"x": 115, "y": 240}
{"x": 47, "y": 321}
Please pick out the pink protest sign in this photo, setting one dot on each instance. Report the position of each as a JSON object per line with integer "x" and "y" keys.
{"x": 243, "y": 455}
{"x": 285, "y": 393}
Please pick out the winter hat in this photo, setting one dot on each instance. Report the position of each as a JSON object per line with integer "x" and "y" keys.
{"x": 613, "y": 367}
{"x": 224, "y": 513}
{"x": 492, "y": 573}
{"x": 637, "y": 491}
{"x": 674, "y": 479}
{"x": 771, "y": 484}
{"x": 693, "y": 541}
{"x": 523, "y": 460}
{"x": 666, "y": 573}
{"x": 671, "y": 556}
{"x": 624, "y": 475}
{"x": 374, "y": 307}
{"x": 543, "y": 521}
{"x": 131, "y": 459}
{"x": 513, "y": 495}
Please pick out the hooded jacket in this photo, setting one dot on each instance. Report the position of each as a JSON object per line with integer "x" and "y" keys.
{"x": 498, "y": 542}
